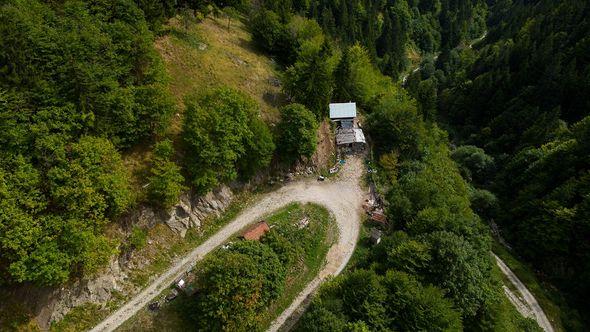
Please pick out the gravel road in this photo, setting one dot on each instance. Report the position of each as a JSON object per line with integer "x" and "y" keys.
{"x": 341, "y": 195}
{"x": 534, "y": 308}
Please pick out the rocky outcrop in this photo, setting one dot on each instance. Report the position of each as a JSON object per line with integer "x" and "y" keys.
{"x": 190, "y": 212}
{"x": 96, "y": 290}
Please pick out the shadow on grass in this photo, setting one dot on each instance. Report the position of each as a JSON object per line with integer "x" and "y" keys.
{"x": 190, "y": 39}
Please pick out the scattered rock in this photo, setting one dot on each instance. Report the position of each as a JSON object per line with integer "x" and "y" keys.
{"x": 274, "y": 81}
{"x": 97, "y": 290}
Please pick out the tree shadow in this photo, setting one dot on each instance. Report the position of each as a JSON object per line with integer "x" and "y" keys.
{"x": 186, "y": 37}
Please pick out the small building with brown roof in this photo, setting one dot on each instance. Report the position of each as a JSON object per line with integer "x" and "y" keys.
{"x": 379, "y": 217}
{"x": 256, "y": 231}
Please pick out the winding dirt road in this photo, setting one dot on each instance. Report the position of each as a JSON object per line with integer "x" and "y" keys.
{"x": 534, "y": 310}
{"x": 341, "y": 195}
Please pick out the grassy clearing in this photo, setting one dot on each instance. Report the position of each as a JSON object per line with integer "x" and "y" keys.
{"x": 204, "y": 56}
{"x": 548, "y": 298}
{"x": 315, "y": 240}
{"x": 208, "y": 55}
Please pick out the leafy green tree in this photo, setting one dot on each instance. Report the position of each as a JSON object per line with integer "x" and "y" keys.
{"x": 358, "y": 79}
{"x": 259, "y": 147}
{"x": 396, "y": 126}
{"x": 364, "y": 299}
{"x": 297, "y": 132}
{"x": 271, "y": 35}
{"x": 483, "y": 202}
{"x": 214, "y": 133}
{"x": 91, "y": 182}
{"x": 310, "y": 80}
{"x": 461, "y": 270}
{"x": 474, "y": 164}
{"x": 415, "y": 307}
{"x": 319, "y": 319}
{"x": 236, "y": 285}
{"x": 165, "y": 181}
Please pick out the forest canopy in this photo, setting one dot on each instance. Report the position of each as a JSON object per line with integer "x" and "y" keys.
{"x": 80, "y": 81}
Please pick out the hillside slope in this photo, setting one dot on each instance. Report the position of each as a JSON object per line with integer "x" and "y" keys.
{"x": 208, "y": 55}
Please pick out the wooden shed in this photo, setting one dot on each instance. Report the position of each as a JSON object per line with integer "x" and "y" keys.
{"x": 256, "y": 231}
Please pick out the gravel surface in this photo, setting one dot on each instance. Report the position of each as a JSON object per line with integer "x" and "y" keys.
{"x": 535, "y": 309}
{"x": 341, "y": 195}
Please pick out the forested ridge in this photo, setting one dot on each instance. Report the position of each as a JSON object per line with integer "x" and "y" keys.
{"x": 81, "y": 85}
{"x": 494, "y": 130}
{"x": 521, "y": 97}
{"x": 79, "y": 81}
{"x": 433, "y": 269}
{"x": 388, "y": 29}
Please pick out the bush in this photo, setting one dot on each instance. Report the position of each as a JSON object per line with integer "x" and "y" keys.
{"x": 297, "y": 132}
{"x": 235, "y": 285}
{"x": 166, "y": 182}
{"x": 138, "y": 238}
{"x": 219, "y": 135}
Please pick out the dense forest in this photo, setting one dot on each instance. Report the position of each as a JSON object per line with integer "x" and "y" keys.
{"x": 390, "y": 30}
{"x": 521, "y": 97}
{"x": 81, "y": 84}
{"x": 491, "y": 126}
{"x": 433, "y": 270}
{"x": 80, "y": 81}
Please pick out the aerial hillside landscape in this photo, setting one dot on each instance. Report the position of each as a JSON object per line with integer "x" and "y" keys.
{"x": 268, "y": 165}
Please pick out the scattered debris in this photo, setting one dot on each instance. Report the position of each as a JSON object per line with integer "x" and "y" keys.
{"x": 201, "y": 46}
{"x": 154, "y": 306}
{"x": 375, "y": 236}
{"x": 172, "y": 295}
{"x": 227, "y": 245}
{"x": 301, "y": 224}
{"x": 379, "y": 216}
{"x": 321, "y": 178}
{"x": 369, "y": 205}
{"x": 180, "y": 284}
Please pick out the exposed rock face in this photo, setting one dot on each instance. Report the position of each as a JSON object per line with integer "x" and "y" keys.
{"x": 96, "y": 290}
{"x": 190, "y": 212}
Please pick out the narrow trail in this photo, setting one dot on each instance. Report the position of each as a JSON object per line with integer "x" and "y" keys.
{"x": 341, "y": 195}
{"x": 533, "y": 309}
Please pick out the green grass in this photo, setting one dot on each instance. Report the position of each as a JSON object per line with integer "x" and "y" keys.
{"x": 315, "y": 240}
{"x": 548, "y": 298}
{"x": 228, "y": 59}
